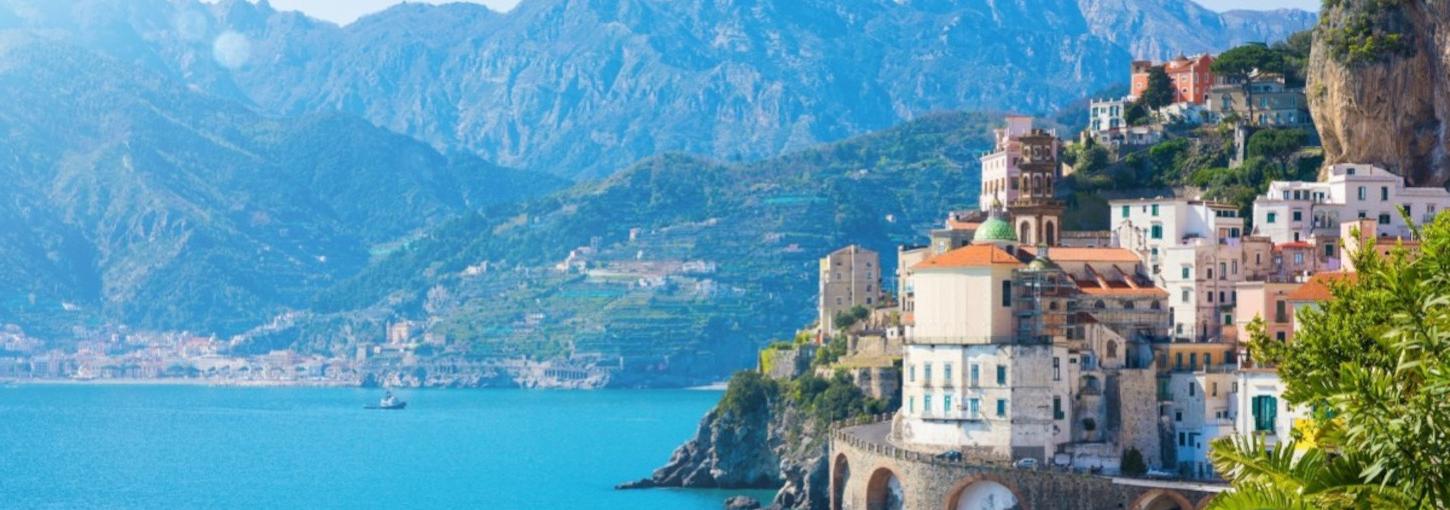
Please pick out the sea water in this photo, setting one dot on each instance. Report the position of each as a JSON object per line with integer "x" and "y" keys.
{"x": 154, "y": 446}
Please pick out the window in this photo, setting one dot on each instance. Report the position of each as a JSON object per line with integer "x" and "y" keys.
{"x": 1409, "y": 210}
{"x": 1056, "y": 369}
{"x": 973, "y": 409}
{"x": 1271, "y": 218}
{"x": 1210, "y": 296}
{"x": 1178, "y": 416}
{"x": 975, "y": 373}
{"x": 1208, "y": 360}
{"x": 1299, "y": 258}
{"x": 1222, "y": 271}
{"x": 1186, "y": 295}
{"x": 911, "y": 373}
{"x": 926, "y": 403}
{"x": 946, "y": 403}
{"x": 1384, "y": 219}
{"x": 947, "y": 373}
{"x": 1155, "y": 209}
{"x": 1006, "y": 293}
{"x": 1210, "y": 273}
{"x": 1193, "y": 364}
{"x": 1279, "y": 336}
{"x": 1384, "y": 193}
{"x": 1363, "y": 215}
{"x": 1056, "y": 407}
{"x": 1178, "y": 361}
{"x": 1157, "y": 231}
{"x": 1002, "y": 374}
{"x": 1191, "y": 391}
{"x": 1328, "y": 250}
{"x": 1298, "y": 216}
{"x": 911, "y": 404}
{"x": 1214, "y": 389}
{"x": 1361, "y": 193}
{"x": 1266, "y": 411}
{"x": 1001, "y": 408}
{"x": 1125, "y": 212}
{"x": 1186, "y": 270}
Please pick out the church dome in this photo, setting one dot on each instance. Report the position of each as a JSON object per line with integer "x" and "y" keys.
{"x": 994, "y": 230}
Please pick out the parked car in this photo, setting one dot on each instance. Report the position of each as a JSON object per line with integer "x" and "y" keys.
{"x": 1158, "y": 474}
{"x": 1027, "y": 463}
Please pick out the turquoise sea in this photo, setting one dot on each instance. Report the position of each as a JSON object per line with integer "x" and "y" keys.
{"x": 146, "y": 446}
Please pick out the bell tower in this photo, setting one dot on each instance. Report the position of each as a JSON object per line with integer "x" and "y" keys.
{"x": 1036, "y": 214}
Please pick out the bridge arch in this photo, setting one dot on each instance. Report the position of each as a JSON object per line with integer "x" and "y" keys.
{"x": 1207, "y": 500}
{"x": 884, "y": 491}
{"x": 985, "y": 492}
{"x": 840, "y": 473}
{"x": 1159, "y": 499}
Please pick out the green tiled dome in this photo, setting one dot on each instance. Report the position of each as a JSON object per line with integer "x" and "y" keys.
{"x": 995, "y": 229}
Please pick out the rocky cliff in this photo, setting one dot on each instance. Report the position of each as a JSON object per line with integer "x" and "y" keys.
{"x": 773, "y": 440}
{"x": 1378, "y": 85}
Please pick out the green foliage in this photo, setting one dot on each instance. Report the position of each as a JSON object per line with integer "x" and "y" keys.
{"x": 1160, "y": 90}
{"x": 1365, "y": 31}
{"x": 1137, "y": 114}
{"x": 1374, "y": 362}
{"x": 1238, "y": 62}
{"x": 1132, "y": 463}
{"x": 1295, "y": 52}
{"x": 1277, "y": 144}
{"x": 833, "y": 399}
{"x": 749, "y": 393}
{"x": 830, "y": 352}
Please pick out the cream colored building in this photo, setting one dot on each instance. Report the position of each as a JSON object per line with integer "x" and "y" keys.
{"x": 849, "y": 277}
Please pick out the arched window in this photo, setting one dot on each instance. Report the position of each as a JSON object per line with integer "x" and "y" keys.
{"x": 1127, "y": 305}
{"x": 1024, "y": 233}
{"x": 1049, "y": 231}
{"x": 1052, "y": 306}
{"x": 1100, "y": 305}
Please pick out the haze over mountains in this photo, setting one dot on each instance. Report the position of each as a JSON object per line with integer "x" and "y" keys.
{"x": 176, "y": 165}
{"x": 582, "y": 88}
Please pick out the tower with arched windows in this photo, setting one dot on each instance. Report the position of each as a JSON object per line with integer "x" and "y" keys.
{"x": 1036, "y": 213}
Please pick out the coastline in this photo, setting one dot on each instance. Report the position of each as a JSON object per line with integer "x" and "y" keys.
{"x": 177, "y": 382}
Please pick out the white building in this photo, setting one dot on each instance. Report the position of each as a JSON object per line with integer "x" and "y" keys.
{"x": 1106, "y": 115}
{"x": 1301, "y": 211}
{"x": 968, "y": 383}
{"x": 1149, "y": 226}
{"x": 1200, "y": 276}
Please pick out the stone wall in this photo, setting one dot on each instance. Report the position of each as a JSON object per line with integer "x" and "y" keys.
{"x": 862, "y": 473}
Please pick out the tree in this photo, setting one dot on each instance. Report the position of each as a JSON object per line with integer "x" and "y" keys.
{"x": 1373, "y": 366}
{"x": 1237, "y": 64}
{"x": 1278, "y": 145}
{"x": 1160, "y": 90}
{"x": 1136, "y": 114}
{"x": 1132, "y": 463}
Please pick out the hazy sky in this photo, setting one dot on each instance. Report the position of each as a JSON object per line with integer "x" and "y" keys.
{"x": 345, "y": 11}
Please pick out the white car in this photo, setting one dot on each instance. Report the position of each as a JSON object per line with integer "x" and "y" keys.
{"x": 1027, "y": 463}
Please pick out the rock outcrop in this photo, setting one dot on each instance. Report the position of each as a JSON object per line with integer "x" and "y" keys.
{"x": 773, "y": 445}
{"x": 1379, "y": 86}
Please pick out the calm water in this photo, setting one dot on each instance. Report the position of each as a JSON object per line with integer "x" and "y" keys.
{"x": 199, "y": 447}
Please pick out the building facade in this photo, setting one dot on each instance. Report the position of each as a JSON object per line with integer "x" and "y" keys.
{"x": 849, "y": 277}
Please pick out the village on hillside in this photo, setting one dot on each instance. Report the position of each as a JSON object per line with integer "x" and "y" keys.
{"x": 1009, "y": 340}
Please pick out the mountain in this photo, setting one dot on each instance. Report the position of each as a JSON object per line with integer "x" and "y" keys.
{"x": 674, "y": 270}
{"x": 583, "y": 88}
{"x": 132, "y": 198}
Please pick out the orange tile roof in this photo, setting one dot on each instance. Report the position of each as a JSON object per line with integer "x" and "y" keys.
{"x": 1317, "y": 288}
{"x": 1087, "y": 254}
{"x": 1094, "y": 290}
{"x": 955, "y": 224}
{"x": 1293, "y": 245}
{"x": 976, "y": 255}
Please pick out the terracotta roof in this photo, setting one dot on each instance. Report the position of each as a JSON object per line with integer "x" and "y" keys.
{"x": 969, "y": 256}
{"x": 1317, "y": 288}
{"x": 955, "y": 224}
{"x": 1293, "y": 245}
{"x": 1087, "y": 254}
{"x": 1094, "y": 289}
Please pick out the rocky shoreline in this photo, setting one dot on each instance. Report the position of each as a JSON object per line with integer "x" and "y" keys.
{"x": 769, "y": 443}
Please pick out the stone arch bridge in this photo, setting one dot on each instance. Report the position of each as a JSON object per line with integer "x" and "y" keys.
{"x": 869, "y": 473}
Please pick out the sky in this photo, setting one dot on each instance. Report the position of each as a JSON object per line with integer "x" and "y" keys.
{"x": 345, "y": 11}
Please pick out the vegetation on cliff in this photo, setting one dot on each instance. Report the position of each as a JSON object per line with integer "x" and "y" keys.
{"x": 1366, "y": 31}
{"x": 1373, "y": 367}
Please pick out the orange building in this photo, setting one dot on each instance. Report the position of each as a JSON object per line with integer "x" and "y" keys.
{"x": 1191, "y": 77}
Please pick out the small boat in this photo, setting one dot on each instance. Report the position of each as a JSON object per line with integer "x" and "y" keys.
{"x": 389, "y": 402}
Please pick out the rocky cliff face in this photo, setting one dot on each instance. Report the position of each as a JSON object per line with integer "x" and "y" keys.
{"x": 1379, "y": 86}
{"x": 779, "y": 446}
